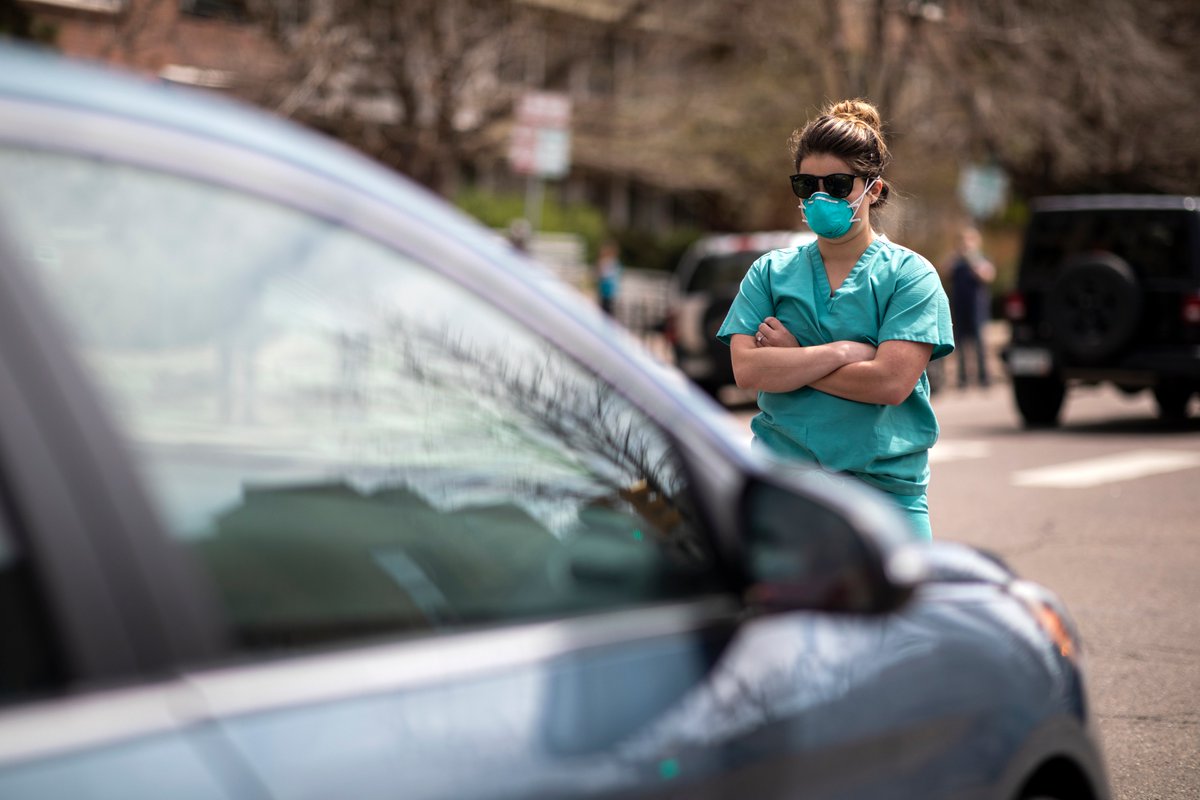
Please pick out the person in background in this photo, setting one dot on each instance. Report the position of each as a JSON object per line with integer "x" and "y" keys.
{"x": 970, "y": 274}
{"x": 835, "y": 335}
{"x": 608, "y": 275}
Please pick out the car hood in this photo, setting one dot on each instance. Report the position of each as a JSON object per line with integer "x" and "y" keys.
{"x": 949, "y": 562}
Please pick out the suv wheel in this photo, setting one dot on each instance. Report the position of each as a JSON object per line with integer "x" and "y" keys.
{"x": 1172, "y": 401}
{"x": 1095, "y": 306}
{"x": 1039, "y": 400}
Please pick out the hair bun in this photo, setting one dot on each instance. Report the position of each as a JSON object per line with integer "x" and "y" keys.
{"x": 856, "y": 110}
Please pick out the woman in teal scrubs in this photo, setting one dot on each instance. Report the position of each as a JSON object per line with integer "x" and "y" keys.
{"x": 835, "y": 335}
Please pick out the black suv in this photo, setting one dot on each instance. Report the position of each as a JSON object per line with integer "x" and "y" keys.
{"x": 1108, "y": 289}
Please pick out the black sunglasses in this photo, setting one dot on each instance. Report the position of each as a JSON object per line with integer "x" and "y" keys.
{"x": 839, "y": 184}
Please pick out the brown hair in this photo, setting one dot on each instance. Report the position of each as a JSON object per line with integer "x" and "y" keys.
{"x": 852, "y": 131}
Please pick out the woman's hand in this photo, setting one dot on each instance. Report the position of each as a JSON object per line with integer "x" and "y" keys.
{"x": 773, "y": 360}
{"x": 771, "y": 333}
{"x": 886, "y": 379}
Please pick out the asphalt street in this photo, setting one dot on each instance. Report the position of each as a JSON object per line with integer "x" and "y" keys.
{"x": 1105, "y": 510}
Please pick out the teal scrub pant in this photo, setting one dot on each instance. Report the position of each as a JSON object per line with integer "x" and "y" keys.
{"x": 915, "y": 508}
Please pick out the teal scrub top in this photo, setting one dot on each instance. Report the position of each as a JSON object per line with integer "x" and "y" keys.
{"x": 892, "y": 293}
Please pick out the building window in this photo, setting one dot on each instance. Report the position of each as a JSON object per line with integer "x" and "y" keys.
{"x": 233, "y": 10}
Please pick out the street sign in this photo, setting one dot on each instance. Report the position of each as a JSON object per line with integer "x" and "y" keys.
{"x": 983, "y": 189}
{"x": 541, "y": 136}
{"x": 544, "y": 110}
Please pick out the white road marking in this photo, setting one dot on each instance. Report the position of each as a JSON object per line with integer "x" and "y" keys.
{"x": 1107, "y": 469}
{"x": 951, "y": 450}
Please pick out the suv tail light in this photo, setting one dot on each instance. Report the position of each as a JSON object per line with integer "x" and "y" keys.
{"x": 1190, "y": 309}
{"x": 1014, "y": 307}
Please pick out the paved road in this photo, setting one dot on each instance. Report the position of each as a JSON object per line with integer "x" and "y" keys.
{"x": 1106, "y": 511}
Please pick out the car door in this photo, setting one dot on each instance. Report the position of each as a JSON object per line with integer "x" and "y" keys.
{"x": 87, "y": 705}
{"x": 444, "y": 551}
{"x": 447, "y": 541}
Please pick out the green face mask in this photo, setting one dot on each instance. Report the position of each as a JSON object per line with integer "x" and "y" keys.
{"x": 831, "y": 217}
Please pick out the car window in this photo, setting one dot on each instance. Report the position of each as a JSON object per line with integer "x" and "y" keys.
{"x": 720, "y": 272}
{"x": 350, "y": 443}
{"x": 1154, "y": 242}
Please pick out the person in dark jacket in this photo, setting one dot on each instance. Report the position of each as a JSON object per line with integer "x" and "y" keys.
{"x": 970, "y": 274}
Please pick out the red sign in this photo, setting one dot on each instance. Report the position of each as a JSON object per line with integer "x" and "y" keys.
{"x": 541, "y": 137}
{"x": 544, "y": 110}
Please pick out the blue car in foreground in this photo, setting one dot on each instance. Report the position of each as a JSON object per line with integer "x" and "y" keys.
{"x": 313, "y": 489}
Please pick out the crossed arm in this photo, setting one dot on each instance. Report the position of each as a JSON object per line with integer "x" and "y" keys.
{"x": 852, "y": 370}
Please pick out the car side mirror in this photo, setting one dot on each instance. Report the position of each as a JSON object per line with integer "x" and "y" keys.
{"x": 820, "y": 546}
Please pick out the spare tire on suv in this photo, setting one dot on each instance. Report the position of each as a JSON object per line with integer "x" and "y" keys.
{"x": 1108, "y": 290}
{"x": 1094, "y": 306}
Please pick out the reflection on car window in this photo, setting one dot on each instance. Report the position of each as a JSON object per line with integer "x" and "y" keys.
{"x": 352, "y": 443}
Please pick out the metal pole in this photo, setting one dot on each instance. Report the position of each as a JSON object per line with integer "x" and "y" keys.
{"x": 534, "y": 193}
